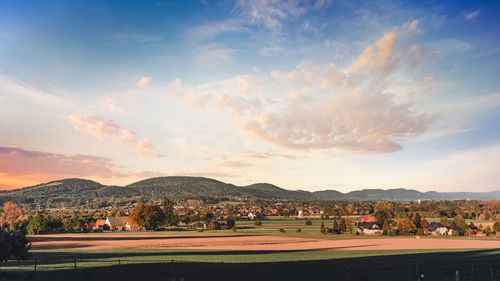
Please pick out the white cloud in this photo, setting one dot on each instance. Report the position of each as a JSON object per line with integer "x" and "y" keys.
{"x": 108, "y": 130}
{"x": 324, "y": 107}
{"x": 272, "y": 14}
{"x": 213, "y": 29}
{"x": 111, "y": 104}
{"x": 175, "y": 84}
{"x": 213, "y": 54}
{"x": 271, "y": 51}
{"x": 472, "y": 15}
{"x": 144, "y": 81}
{"x": 9, "y": 85}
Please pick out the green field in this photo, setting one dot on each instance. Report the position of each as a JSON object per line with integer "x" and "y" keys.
{"x": 140, "y": 264}
{"x": 170, "y": 264}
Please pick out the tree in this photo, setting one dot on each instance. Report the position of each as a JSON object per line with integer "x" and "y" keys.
{"x": 343, "y": 225}
{"x": 350, "y": 227}
{"x": 230, "y": 223}
{"x": 13, "y": 245}
{"x": 11, "y": 215}
{"x": 336, "y": 228}
{"x": 405, "y": 226}
{"x": 386, "y": 227}
{"x": 322, "y": 228}
{"x": 71, "y": 223}
{"x": 381, "y": 216}
{"x": 148, "y": 216}
{"x": 37, "y": 223}
{"x": 171, "y": 218}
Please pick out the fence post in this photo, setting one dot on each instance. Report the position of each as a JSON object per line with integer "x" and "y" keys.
{"x": 492, "y": 275}
{"x": 173, "y": 270}
{"x": 417, "y": 271}
{"x": 74, "y": 260}
{"x": 457, "y": 275}
{"x": 35, "y": 264}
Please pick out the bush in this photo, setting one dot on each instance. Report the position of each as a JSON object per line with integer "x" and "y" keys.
{"x": 308, "y": 222}
{"x": 258, "y": 223}
{"x": 282, "y": 230}
{"x": 299, "y": 230}
{"x": 13, "y": 245}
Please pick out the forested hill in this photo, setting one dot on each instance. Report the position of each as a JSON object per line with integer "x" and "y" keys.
{"x": 71, "y": 193}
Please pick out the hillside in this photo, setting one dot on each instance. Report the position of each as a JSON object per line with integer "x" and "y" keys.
{"x": 71, "y": 193}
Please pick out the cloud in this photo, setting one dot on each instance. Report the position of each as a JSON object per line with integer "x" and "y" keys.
{"x": 20, "y": 167}
{"x": 423, "y": 85}
{"x": 108, "y": 130}
{"x": 214, "y": 29}
{"x": 272, "y": 14}
{"x": 16, "y": 161}
{"x": 213, "y": 54}
{"x": 111, "y": 104}
{"x": 472, "y": 15}
{"x": 271, "y": 51}
{"x": 175, "y": 84}
{"x": 231, "y": 94}
{"x": 266, "y": 155}
{"x": 325, "y": 107}
{"x": 361, "y": 123}
{"x": 392, "y": 49}
{"x": 226, "y": 162}
{"x": 143, "y": 82}
{"x": 9, "y": 85}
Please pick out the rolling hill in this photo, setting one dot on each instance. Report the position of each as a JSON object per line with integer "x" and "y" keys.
{"x": 75, "y": 192}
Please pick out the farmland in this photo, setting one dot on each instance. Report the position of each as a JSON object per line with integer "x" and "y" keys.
{"x": 291, "y": 256}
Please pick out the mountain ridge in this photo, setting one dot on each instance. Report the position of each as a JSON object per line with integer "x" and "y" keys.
{"x": 73, "y": 191}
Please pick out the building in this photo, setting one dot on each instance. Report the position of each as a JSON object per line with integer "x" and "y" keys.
{"x": 121, "y": 223}
{"x": 370, "y": 228}
{"x": 300, "y": 215}
{"x": 436, "y": 228}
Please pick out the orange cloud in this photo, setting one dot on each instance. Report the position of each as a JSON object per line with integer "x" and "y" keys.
{"x": 22, "y": 167}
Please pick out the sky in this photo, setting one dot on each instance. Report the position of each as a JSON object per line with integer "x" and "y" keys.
{"x": 311, "y": 95}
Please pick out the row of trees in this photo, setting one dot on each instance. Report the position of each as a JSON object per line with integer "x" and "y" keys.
{"x": 345, "y": 226}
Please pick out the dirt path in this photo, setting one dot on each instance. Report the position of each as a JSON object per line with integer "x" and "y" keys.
{"x": 215, "y": 242}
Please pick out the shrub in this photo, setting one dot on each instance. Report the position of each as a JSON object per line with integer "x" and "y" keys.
{"x": 308, "y": 222}
{"x": 299, "y": 230}
{"x": 282, "y": 230}
{"x": 258, "y": 223}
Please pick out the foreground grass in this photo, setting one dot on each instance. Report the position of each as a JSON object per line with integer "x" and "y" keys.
{"x": 66, "y": 259}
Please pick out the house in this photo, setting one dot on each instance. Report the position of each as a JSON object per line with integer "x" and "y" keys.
{"x": 121, "y": 223}
{"x": 367, "y": 218}
{"x": 370, "y": 228}
{"x": 99, "y": 224}
{"x": 454, "y": 230}
{"x": 300, "y": 214}
{"x": 115, "y": 223}
{"x": 436, "y": 228}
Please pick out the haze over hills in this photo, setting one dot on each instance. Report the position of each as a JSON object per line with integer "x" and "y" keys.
{"x": 74, "y": 192}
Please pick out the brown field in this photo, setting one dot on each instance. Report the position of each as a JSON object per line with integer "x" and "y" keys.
{"x": 246, "y": 242}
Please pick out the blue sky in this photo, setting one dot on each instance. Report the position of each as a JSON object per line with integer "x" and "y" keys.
{"x": 304, "y": 94}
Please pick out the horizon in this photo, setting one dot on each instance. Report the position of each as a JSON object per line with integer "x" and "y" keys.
{"x": 310, "y": 95}
{"x": 263, "y": 182}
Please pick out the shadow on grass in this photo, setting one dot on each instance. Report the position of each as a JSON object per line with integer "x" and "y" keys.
{"x": 472, "y": 265}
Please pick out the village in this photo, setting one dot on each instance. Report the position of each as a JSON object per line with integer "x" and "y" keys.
{"x": 356, "y": 218}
